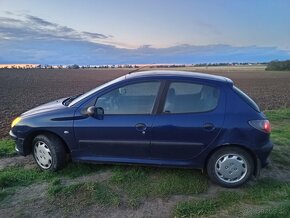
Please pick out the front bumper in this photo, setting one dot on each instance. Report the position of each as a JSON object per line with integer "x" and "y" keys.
{"x": 19, "y": 147}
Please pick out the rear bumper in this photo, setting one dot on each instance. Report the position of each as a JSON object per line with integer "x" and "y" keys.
{"x": 263, "y": 153}
{"x": 19, "y": 147}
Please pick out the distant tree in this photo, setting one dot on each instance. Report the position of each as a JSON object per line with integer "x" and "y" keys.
{"x": 74, "y": 66}
{"x": 279, "y": 65}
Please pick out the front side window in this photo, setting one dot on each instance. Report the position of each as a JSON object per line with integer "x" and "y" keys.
{"x": 136, "y": 98}
{"x": 190, "y": 98}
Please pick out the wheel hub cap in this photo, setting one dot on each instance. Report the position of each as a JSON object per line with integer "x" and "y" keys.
{"x": 231, "y": 168}
{"x": 42, "y": 155}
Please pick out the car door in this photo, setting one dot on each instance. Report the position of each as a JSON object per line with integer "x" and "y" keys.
{"x": 189, "y": 119}
{"x": 124, "y": 129}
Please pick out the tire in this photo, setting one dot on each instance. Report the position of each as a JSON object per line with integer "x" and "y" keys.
{"x": 48, "y": 152}
{"x": 230, "y": 167}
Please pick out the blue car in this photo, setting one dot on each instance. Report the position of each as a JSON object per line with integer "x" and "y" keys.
{"x": 158, "y": 118}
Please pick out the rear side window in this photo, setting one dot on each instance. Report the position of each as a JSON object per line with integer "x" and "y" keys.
{"x": 246, "y": 98}
{"x": 185, "y": 97}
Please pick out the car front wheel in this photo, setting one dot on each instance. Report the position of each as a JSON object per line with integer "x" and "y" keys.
{"x": 48, "y": 152}
{"x": 230, "y": 167}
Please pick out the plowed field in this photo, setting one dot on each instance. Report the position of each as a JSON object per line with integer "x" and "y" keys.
{"x": 21, "y": 90}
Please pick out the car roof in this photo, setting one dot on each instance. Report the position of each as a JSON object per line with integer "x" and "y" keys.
{"x": 163, "y": 74}
{"x": 177, "y": 74}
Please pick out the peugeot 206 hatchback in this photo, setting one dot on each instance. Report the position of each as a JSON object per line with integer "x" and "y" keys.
{"x": 160, "y": 118}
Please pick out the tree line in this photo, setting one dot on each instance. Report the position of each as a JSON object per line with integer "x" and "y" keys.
{"x": 278, "y": 65}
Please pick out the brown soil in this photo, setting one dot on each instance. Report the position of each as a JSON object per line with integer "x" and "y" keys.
{"x": 21, "y": 90}
{"x": 27, "y": 162}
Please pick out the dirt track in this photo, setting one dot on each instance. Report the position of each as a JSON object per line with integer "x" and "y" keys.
{"x": 21, "y": 90}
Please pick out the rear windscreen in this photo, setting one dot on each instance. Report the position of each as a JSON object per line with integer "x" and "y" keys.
{"x": 246, "y": 98}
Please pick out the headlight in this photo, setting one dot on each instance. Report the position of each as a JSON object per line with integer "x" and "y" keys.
{"x": 15, "y": 121}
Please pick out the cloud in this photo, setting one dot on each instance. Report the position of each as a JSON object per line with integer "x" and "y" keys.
{"x": 39, "y": 21}
{"x": 83, "y": 52}
{"x": 95, "y": 35}
{"x": 28, "y": 27}
{"x": 7, "y": 20}
{"x": 30, "y": 39}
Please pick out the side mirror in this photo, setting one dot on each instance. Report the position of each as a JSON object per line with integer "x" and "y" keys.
{"x": 96, "y": 112}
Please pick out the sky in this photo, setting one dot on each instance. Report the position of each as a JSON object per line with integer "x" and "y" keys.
{"x": 143, "y": 31}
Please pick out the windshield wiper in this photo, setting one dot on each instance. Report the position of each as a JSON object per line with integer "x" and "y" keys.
{"x": 70, "y": 99}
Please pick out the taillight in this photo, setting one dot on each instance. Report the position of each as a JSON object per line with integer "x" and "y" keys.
{"x": 262, "y": 125}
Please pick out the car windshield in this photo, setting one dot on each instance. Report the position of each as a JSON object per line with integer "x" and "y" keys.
{"x": 85, "y": 95}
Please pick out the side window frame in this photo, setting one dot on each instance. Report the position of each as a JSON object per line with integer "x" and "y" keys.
{"x": 155, "y": 103}
{"x": 165, "y": 91}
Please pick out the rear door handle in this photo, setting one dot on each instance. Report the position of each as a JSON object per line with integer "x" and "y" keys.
{"x": 141, "y": 127}
{"x": 208, "y": 126}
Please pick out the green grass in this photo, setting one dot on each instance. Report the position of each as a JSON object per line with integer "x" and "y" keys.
{"x": 104, "y": 195}
{"x": 281, "y": 132}
{"x": 278, "y": 114}
{"x": 196, "y": 208}
{"x": 85, "y": 193}
{"x": 280, "y": 211}
{"x": 140, "y": 182}
{"x": 281, "y": 158}
{"x": 57, "y": 189}
{"x": 5, "y": 193}
{"x": 280, "y": 121}
{"x": 74, "y": 170}
{"x": 18, "y": 176}
{"x": 179, "y": 182}
{"x": 267, "y": 190}
{"x": 264, "y": 191}
{"x": 7, "y": 148}
{"x": 129, "y": 186}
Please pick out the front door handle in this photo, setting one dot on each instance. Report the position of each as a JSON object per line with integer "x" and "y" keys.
{"x": 208, "y": 126}
{"x": 141, "y": 127}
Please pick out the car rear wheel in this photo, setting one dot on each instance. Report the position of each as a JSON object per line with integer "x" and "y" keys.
{"x": 230, "y": 167}
{"x": 49, "y": 152}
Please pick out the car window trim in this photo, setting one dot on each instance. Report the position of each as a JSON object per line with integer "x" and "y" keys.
{"x": 159, "y": 98}
{"x": 162, "y": 97}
